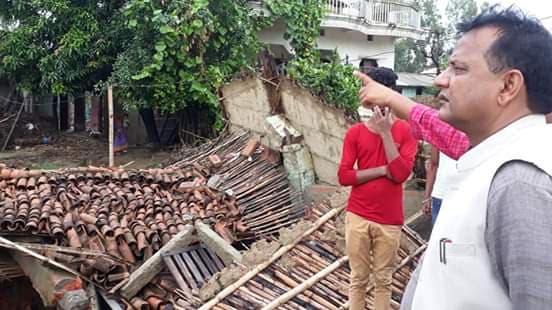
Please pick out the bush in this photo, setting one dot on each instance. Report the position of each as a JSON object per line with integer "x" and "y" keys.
{"x": 334, "y": 82}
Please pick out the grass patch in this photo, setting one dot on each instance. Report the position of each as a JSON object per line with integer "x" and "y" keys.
{"x": 46, "y": 166}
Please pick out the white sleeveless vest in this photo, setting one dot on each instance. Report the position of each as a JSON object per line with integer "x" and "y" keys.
{"x": 457, "y": 273}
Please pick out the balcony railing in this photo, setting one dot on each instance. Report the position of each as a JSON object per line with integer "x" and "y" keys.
{"x": 401, "y": 14}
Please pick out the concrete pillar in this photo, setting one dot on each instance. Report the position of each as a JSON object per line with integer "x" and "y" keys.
{"x": 299, "y": 166}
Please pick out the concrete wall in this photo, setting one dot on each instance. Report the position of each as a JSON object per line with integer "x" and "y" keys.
{"x": 247, "y": 107}
{"x": 323, "y": 128}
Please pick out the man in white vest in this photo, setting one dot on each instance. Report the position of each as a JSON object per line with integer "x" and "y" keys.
{"x": 492, "y": 245}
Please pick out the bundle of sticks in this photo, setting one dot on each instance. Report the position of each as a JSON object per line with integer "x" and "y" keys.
{"x": 253, "y": 174}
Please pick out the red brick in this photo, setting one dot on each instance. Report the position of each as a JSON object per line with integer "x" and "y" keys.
{"x": 250, "y": 147}
{"x": 215, "y": 161}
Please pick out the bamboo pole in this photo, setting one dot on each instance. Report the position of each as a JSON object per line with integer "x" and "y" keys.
{"x": 13, "y": 127}
{"x": 110, "y": 121}
{"x": 58, "y": 113}
{"x": 306, "y": 284}
{"x": 249, "y": 275}
{"x": 68, "y": 250}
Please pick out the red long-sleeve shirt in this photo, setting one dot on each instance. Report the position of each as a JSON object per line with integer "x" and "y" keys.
{"x": 379, "y": 200}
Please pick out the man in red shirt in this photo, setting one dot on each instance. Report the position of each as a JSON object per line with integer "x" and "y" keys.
{"x": 383, "y": 150}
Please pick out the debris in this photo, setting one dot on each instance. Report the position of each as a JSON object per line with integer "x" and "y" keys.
{"x": 215, "y": 160}
{"x": 51, "y": 284}
{"x": 250, "y": 147}
{"x": 151, "y": 267}
{"x": 74, "y": 300}
{"x": 211, "y": 288}
{"x": 260, "y": 252}
{"x": 316, "y": 262}
{"x": 260, "y": 267}
{"x": 287, "y": 262}
{"x": 217, "y": 244}
{"x": 289, "y": 234}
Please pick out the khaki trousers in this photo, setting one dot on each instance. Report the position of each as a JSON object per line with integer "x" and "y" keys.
{"x": 362, "y": 237}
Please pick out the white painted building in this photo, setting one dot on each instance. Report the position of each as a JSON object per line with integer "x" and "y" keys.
{"x": 357, "y": 29}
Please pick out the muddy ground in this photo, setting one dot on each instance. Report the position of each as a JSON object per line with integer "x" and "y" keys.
{"x": 35, "y": 143}
{"x": 79, "y": 149}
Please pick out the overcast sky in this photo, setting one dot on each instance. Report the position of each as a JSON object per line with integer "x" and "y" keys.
{"x": 539, "y": 8}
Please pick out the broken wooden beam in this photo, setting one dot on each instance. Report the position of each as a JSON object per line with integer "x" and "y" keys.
{"x": 217, "y": 244}
{"x": 150, "y": 268}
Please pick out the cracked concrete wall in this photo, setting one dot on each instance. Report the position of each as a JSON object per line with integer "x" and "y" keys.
{"x": 323, "y": 127}
{"x": 246, "y": 106}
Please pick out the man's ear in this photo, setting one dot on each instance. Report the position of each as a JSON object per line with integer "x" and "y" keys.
{"x": 513, "y": 83}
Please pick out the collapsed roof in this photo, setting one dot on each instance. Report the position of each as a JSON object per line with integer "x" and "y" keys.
{"x": 108, "y": 225}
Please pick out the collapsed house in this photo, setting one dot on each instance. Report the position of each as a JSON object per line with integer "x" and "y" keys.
{"x": 159, "y": 239}
{"x": 226, "y": 227}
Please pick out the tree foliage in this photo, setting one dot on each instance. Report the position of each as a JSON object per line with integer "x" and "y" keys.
{"x": 439, "y": 39}
{"x": 409, "y": 57}
{"x": 162, "y": 54}
{"x": 303, "y": 19}
{"x": 58, "y": 46}
{"x": 332, "y": 81}
{"x": 183, "y": 50}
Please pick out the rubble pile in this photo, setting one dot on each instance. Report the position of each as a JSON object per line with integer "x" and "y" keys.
{"x": 306, "y": 261}
{"x": 104, "y": 223}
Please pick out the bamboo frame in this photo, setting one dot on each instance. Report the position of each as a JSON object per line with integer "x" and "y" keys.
{"x": 249, "y": 275}
{"x": 306, "y": 284}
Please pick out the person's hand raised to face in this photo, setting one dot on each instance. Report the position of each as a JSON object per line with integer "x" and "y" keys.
{"x": 381, "y": 122}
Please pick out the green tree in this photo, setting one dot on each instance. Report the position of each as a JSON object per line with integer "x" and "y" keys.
{"x": 183, "y": 51}
{"x": 457, "y": 11}
{"x": 159, "y": 54}
{"x": 303, "y": 19}
{"x": 409, "y": 57}
{"x": 440, "y": 36}
{"x": 58, "y": 46}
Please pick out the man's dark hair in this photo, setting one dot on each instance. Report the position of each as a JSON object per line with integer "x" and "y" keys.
{"x": 383, "y": 76}
{"x": 523, "y": 44}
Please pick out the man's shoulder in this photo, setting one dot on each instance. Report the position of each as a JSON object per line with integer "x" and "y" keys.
{"x": 519, "y": 171}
